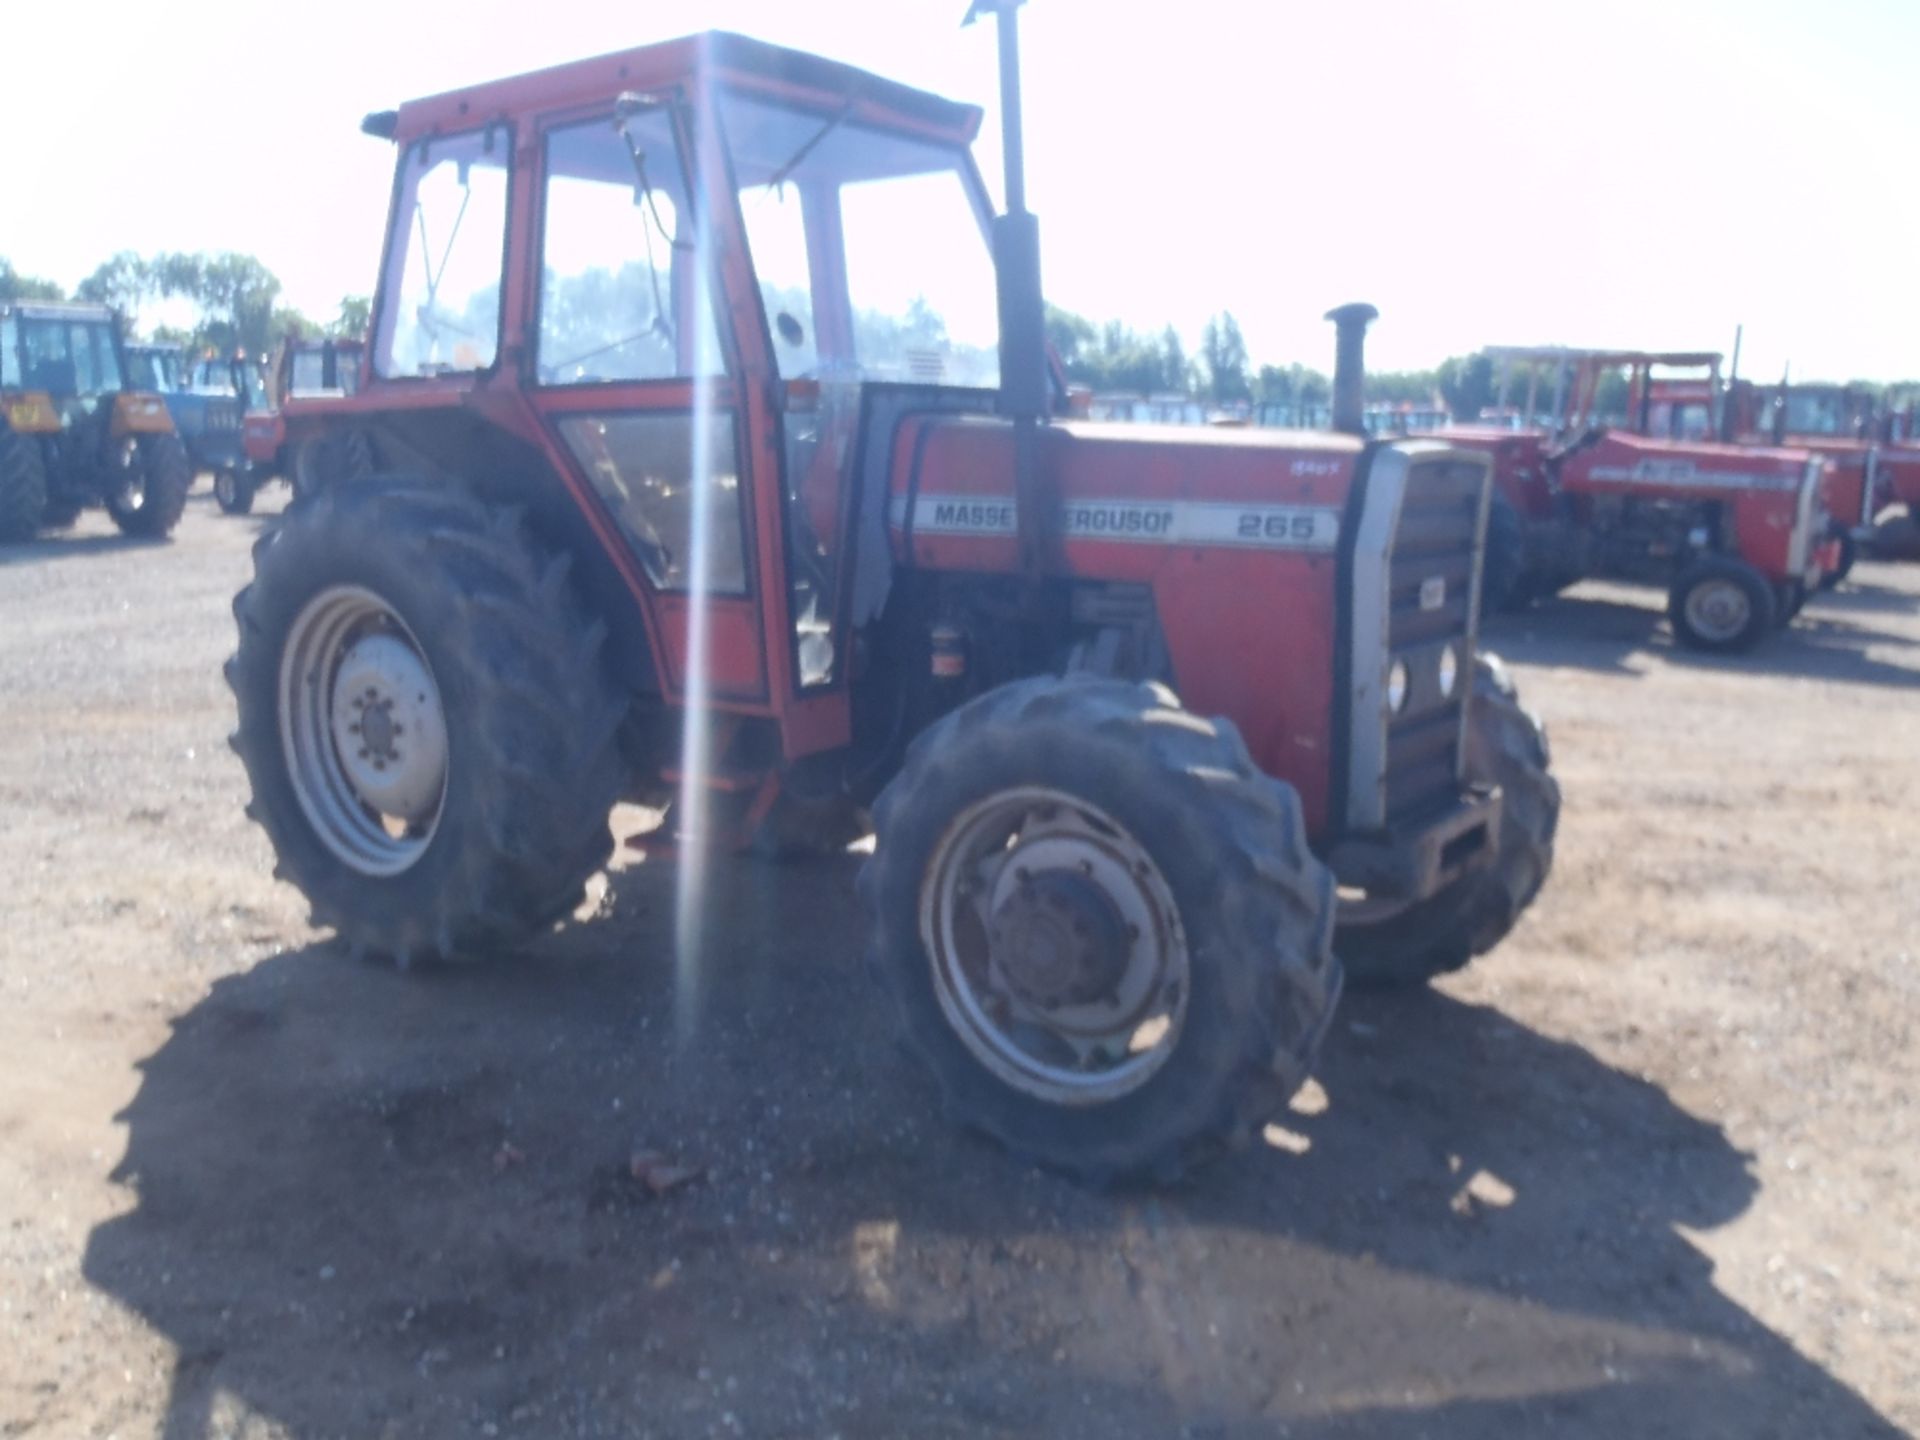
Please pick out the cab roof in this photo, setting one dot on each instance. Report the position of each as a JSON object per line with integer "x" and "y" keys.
{"x": 730, "y": 58}
{"x": 1575, "y": 355}
{"x": 56, "y": 310}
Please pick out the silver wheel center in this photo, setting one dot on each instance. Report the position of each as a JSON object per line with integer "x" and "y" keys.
{"x": 363, "y": 730}
{"x": 387, "y": 727}
{"x": 1718, "y": 609}
{"x": 1057, "y": 950}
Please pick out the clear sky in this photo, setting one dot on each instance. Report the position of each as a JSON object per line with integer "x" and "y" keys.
{"x": 1621, "y": 172}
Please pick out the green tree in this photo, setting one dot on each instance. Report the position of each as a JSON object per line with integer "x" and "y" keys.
{"x": 1467, "y": 384}
{"x": 125, "y": 281}
{"x": 356, "y": 315}
{"x": 1223, "y": 360}
{"x": 15, "y": 286}
{"x": 1176, "y": 370}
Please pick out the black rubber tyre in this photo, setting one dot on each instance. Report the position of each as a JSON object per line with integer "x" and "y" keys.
{"x": 23, "y": 485}
{"x": 334, "y": 458}
{"x": 530, "y": 715}
{"x": 805, "y": 828}
{"x": 165, "y": 476}
{"x": 1849, "y": 552}
{"x": 1759, "y": 613}
{"x": 1255, "y": 906}
{"x": 1789, "y": 600}
{"x": 1507, "y": 747}
{"x": 1501, "y": 587}
{"x": 233, "y": 491}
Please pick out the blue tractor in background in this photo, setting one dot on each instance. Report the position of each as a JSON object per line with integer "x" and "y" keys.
{"x": 207, "y": 401}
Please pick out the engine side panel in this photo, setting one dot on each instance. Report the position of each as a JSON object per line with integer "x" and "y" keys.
{"x": 1237, "y": 534}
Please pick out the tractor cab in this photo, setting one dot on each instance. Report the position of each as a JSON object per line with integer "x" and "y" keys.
{"x": 718, "y": 309}
{"x": 155, "y": 367}
{"x": 316, "y": 369}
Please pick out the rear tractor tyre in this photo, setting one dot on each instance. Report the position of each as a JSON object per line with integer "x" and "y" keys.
{"x": 425, "y": 719}
{"x": 1849, "y": 552}
{"x": 147, "y": 484}
{"x": 1721, "y": 605}
{"x": 1502, "y": 580}
{"x": 1102, "y": 926}
{"x": 23, "y": 485}
{"x": 233, "y": 491}
{"x": 1507, "y": 747}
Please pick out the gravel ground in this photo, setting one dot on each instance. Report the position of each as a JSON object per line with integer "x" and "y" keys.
{"x": 1648, "y": 1170}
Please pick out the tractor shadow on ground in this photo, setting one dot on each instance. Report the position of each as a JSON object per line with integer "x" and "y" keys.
{"x": 372, "y": 1203}
{"x": 73, "y": 547}
{"x": 1830, "y": 640}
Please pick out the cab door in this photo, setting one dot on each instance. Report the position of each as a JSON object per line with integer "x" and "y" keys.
{"x": 637, "y": 381}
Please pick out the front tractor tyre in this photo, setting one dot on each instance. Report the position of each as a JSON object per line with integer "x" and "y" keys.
{"x": 1721, "y": 605}
{"x": 425, "y": 720}
{"x": 233, "y": 491}
{"x": 1506, "y": 747}
{"x": 148, "y": 477}
{"x": 1101, "y": 925}
{"x": 1849, "y": 553}
{"x": 23, "y": 485}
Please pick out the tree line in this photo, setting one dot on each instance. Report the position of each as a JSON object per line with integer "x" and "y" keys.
{"x": 1111, "y": 357}
{"x": 235, "y": 299}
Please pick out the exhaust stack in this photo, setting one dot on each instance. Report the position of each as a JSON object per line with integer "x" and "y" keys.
{"x": 1026, "y": 396}
{"x": 1350, "y": 366}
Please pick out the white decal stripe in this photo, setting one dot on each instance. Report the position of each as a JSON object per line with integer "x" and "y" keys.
{"x": 1699, "y": 479}
{"x": 1143, "y": 522}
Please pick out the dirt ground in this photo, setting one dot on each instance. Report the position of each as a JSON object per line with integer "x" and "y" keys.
{"x": 1649, "y": 1170}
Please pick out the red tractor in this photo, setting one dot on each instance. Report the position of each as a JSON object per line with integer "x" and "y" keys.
{"x": 302, "y": 369}
{"x": 719, "y": 465}
{"x": 1738, "y": 534}
{"x": 1839, "y": 423}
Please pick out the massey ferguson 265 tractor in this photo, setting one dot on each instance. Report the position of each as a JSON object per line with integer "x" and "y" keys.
{"x": 1738, "y": 534}
{"x": 75, "y": 431}
{"x": 713, "y": 468}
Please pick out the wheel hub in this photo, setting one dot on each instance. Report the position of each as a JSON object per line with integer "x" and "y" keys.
{"x": 1058, "y": 940}
{"x": 1718, "y": 608}
{"x": 388, "y": 730}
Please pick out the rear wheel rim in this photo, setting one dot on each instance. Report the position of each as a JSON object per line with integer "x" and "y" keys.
{"x": 363, "y": 731}
{"x": 1719, "y": 609}
{"x": 1076, "y": 1049}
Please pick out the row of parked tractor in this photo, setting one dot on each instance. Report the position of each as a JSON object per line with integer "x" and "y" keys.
{"x": 1741, "y": 499}
{"x": 1158, "y": 733}
{"x": 90, "y": 418}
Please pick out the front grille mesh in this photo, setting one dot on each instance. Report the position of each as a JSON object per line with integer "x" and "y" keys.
{"x": 1432, "y": 558}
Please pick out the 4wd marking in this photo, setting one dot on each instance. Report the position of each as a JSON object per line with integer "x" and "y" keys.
{"x": 1685, "y": 472}
{"x": 1145, "y": 522}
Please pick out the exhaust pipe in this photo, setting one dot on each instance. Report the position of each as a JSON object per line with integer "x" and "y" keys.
{"x": 1350, "y": 366}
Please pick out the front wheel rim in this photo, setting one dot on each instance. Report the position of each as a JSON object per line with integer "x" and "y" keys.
{"x": 131, "y": 483}
{"x": 363, "y": 731}
{"x": 1074, "y": 1049}
{"x": 1718, "y": 609}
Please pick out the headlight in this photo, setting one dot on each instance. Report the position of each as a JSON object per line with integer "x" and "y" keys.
{"x": 1397, "y": 687}
{"x": 1449, "y": 672}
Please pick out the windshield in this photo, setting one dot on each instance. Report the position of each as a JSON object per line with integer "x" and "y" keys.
{"x": 1817, "y": 412}
{"x": 69, "y": 357}
{"x": 826, "y": 203}
{"x": 153, "y": 370}
{"x": 440, "y": 304}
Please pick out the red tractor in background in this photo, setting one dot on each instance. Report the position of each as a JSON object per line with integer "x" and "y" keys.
{"x": 1737, "y": 534}
{"x": 1873, "y": 466}
{"x": 302, "y": 369}
{"x": 718, "y": 464}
